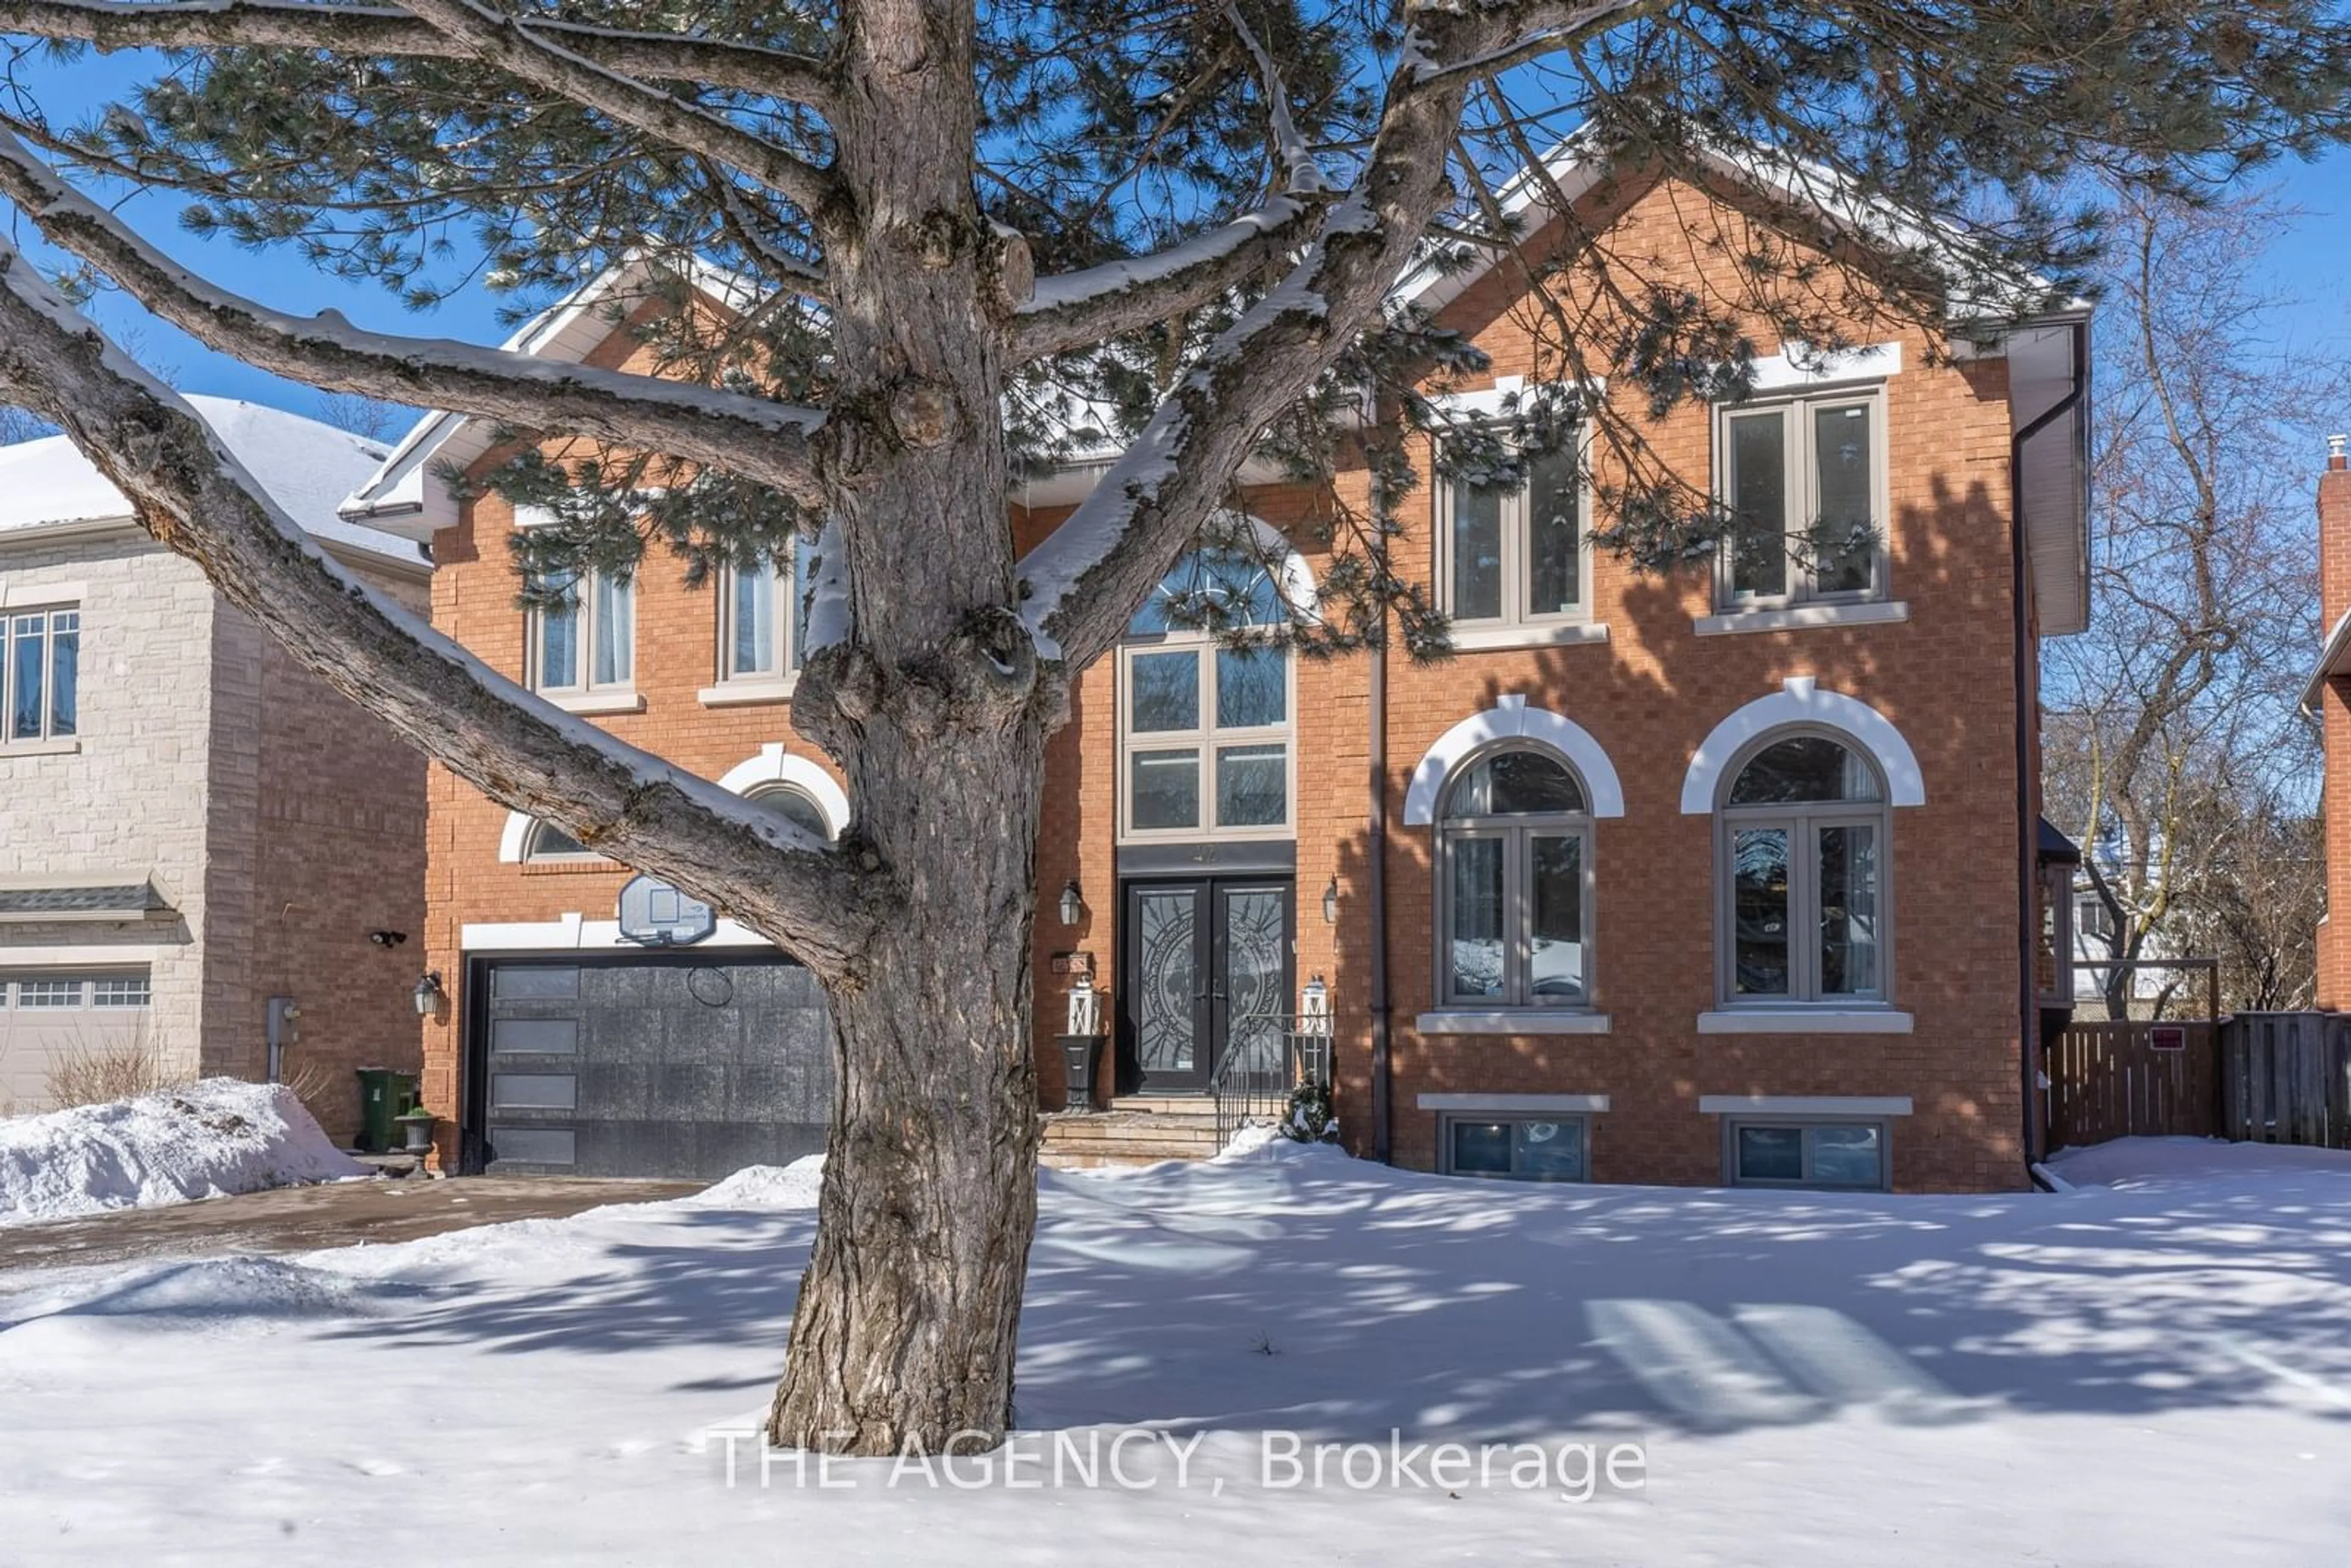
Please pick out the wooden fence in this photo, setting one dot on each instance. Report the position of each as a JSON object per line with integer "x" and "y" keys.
{"x": 2133, "y": 1078}
{"x": 2285, "y": 1078}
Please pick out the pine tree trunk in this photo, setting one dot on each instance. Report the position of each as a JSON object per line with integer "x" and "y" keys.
{"x": 909, "y": 1310}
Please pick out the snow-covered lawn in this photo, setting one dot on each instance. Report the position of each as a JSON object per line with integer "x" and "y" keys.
{"x": 2154, "y": 1369}
{"x": 203, "y": 1140}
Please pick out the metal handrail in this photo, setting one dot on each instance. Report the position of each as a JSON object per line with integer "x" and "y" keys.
{"x": 1247, "y": 1088}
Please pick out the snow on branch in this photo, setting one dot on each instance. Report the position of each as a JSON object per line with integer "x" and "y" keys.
{"x": 386, "y": 32}
{"x": 193, "y": 494}
{"x": 749, "y": 436}
{"x": 1297, "y": 159}
{"x": 536, "y": 58}
{"x": 1078, "y": 309}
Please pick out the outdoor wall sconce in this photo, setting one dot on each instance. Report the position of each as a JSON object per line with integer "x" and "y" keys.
{"x": 429, "y": 994}
{"x": 1331, "y": 902}
{"x": 1073, "y": 907}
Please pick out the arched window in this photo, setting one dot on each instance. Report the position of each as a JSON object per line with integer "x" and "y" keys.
{"x": 1204, "y": 728}
{"x": 546, "y": 841}
{"x": 1514, "y": 879}
{"x": 795, "y": 806}
{"x": 1802, "y": 872}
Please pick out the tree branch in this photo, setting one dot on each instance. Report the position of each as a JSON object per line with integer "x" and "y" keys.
{"x": 1086, "y": 578}
{"x": 505, "y": 42}
{"x": 767, "y": 442}
{"x": 814, "y": 900}
{"x": 1078, "y": 309}
{"x": 384, "y": 31}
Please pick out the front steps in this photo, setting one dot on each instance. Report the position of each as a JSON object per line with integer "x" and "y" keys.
{"x": 1139, "y": 1130}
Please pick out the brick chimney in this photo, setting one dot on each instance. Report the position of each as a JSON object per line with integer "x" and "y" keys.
{"x": 2334, "y": 533}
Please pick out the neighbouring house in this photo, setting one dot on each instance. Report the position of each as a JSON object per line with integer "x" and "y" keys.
{"x": 2328, "y": 696}
{"x": 1736, "y": 875}
{"x": 206, "y": 856}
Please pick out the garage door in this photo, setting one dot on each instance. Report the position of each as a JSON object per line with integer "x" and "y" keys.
{"x": 647, "y": 1066}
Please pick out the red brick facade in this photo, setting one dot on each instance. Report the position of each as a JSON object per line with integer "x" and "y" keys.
{"x": 2335, "y": 716}
{"x": 1648, "y": 694}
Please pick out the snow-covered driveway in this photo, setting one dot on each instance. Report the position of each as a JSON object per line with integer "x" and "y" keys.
{"x": 2153, "y": 1371}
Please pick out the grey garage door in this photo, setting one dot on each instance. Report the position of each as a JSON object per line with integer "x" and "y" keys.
{"x": 647, "y": 1066}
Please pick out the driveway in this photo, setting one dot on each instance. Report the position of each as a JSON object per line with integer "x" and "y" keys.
{"x": 300, "y": 1219}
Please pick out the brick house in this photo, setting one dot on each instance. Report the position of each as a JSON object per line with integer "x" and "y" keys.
{"x": 2328, "y": 695}
{"x": 1734, "y": 874}
{"x": 195, "y": 832}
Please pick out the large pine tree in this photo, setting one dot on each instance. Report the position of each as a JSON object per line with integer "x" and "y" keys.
{"x": 962, "y": 233}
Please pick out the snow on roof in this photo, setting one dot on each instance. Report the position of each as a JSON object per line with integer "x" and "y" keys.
{"x": 306, "y": 467}
{"x": 401, "y": 494}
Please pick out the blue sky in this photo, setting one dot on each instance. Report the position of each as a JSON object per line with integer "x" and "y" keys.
{"x": 2311, "y": 265}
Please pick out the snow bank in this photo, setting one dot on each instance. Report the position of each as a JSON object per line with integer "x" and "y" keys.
{"x": 794, "y": 1185}
{"x": 207, "y": 1140}
{"x": 2153, "y": 1165}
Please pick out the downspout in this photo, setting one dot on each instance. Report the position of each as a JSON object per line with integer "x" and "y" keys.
{"x": 1376, "y": 740}
{"x": 2028, "y": 826}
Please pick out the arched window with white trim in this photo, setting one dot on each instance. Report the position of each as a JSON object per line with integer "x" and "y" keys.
{"x": 1514, "y": 883}
{"x": 543, "y": 842}
{"x": 1802, "y": 827}
{"x": 795, "y": 805}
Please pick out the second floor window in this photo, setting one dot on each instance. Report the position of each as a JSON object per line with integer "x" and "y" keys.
{"x": 587, "y": 643}
{"x": 1511, "y": 548}
{"x": 760, "y": 636}
{"x": 44, "y": 673}
{"x": 1204, "y": 729}
{"x": 1802, "y": 481}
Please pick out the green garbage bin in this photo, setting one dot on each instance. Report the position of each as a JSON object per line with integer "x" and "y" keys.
{"x": 383, "y": 1094}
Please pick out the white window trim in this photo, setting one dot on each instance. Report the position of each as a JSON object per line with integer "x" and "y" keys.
{"x": 1796, "y": 404}
{"x": 1799, "y": 702}
{"x": 1802, "y": 822}
{"x": 771, "y": 764}
{"x": 1516, "y": 626}
{"x": 588, "y": 696}
{"x": 1511, "y": 719}
{"x": 1506, "y": 1020}
{"x": 47, "y": 604}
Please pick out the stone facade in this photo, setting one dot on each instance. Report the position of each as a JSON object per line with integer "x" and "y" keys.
{"x": 279, "y": 823}
{"x": 1942, "y": 672}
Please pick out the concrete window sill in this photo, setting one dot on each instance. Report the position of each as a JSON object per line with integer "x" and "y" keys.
{"x": 1505, "y": 1020}
{"x": 593, "y": 702}
{"x": 1798, "y": 618}
{"x": 1804, "y": 1020}
{"x": 66, "y": 746}
{"x": 1535, "y": 635}
{"x": 728, "y": 694}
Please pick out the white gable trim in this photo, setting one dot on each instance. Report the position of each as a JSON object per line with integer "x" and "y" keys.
{"x": 1801, "y": 702}
{"x": 1511, "y": 719}
{"x": 1798, "y": 366}
{"x": 774, "y": 765}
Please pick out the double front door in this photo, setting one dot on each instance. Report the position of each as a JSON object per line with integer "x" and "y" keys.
{"x": 1206, "y": 964}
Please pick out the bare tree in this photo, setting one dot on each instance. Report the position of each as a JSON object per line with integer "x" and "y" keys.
{"x": 955, "y": 227}
{"x": 2173, "y": 746}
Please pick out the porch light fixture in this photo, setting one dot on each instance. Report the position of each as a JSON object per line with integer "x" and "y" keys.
{"x": 429, "y": 994}
{"x": 1073, "y": 906}
{"x": 1331, "y": 902}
